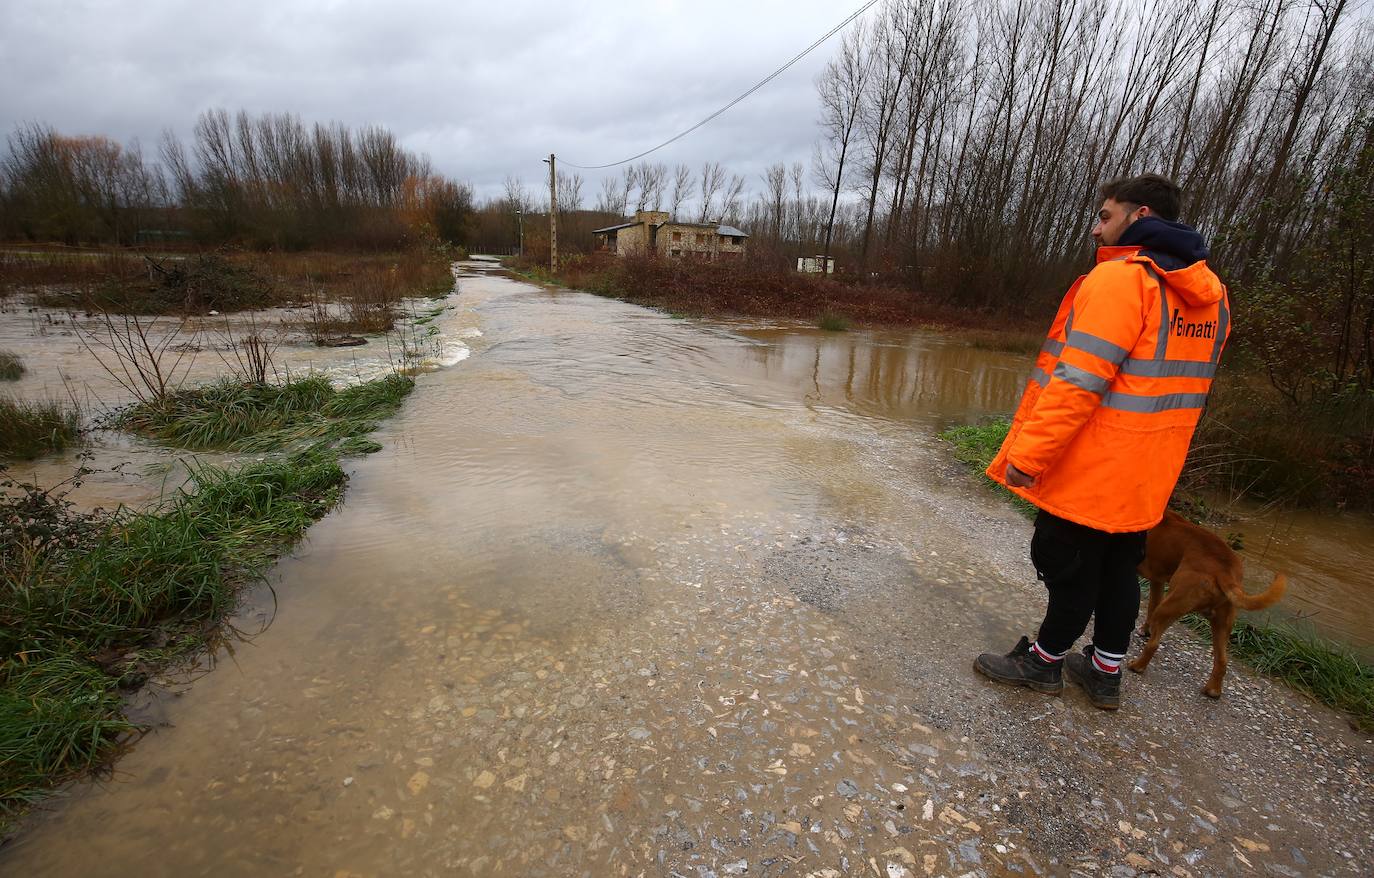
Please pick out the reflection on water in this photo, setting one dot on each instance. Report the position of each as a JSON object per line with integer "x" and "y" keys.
{"x": 1329, "y": 560}
{"x": 911, "y": 377}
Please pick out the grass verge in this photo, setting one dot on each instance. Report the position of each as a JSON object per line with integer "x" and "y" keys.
{"x": 90, "y": 603}
{"x": 29, "y": 429}
{"x": 1323, "y": 669}
{"x": 975, "y": 445}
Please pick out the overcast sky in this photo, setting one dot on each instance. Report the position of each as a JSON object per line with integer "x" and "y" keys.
{"x": 485, "y": 89}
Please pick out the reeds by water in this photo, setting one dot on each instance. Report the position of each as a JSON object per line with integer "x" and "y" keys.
{"x": 11, "y": 366}
{"x": 29, "y": 429}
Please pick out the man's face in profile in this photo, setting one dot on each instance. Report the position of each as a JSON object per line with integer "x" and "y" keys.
{"x": 1113, "y": 218}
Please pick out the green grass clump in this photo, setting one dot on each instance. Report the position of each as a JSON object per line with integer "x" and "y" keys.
{"x": 357, "y": 446}
{"x": 11, "y": 366}
{"x": 1303, "y": 660}
{"x": 1009, "y": 341}
{"x": 59, "y": 716}
{"x": 223, "y": 414}
{"x": 977, "y": 445}
{"x": 30, "y": 429}
{"x": 80, "y": 593}
{"x": 833, "y": 322}
{"x": 243, "y": 416}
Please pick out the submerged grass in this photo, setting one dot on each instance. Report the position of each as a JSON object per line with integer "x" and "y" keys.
{"x": 1323, "y": 669}
{"x": 11, "y": 366}
{"x": 244, "y": 416}
{"x": 86, "y": 597}
{"x": 833, "y": 322}
{"x": 29, "y": 429}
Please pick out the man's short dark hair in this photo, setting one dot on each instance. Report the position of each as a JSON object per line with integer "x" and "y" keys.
{"x": 1160, "y": 194}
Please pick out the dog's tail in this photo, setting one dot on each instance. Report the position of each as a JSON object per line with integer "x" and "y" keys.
{"x": 1266, "y": 598}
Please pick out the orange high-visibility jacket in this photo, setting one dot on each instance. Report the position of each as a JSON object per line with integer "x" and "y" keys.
{"x": 1117, "y": 390}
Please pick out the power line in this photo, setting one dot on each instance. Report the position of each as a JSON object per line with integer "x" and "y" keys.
{"x": 758, "y": 85}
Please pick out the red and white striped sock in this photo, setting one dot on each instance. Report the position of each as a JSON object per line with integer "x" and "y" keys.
{"x": 1045, "y": 654}
{"x": 1107, "y": 662}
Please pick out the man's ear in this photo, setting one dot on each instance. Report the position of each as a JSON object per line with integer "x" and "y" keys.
{"x": 1144, "y": 211}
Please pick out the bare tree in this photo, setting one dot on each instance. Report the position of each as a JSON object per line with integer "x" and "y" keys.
{"x": 682, "y": 188}
{"x": 841, "y": 89}
{"x": 610, "y": 198}
{"x": 569, "y": 193}
{"x": 734, "y": 192}
{"x": 629, "y": 179}
{"x": 652, "y": 178}
{"x": 517, "y": 197}
{"x": 712, "y": 180}
{"x": 775, "y": 197}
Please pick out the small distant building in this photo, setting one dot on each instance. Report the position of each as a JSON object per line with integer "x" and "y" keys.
{"x": 816, "y": 264}
{"x": 653, "y": 231}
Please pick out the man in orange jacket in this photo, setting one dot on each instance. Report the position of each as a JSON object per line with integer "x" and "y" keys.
{"x": 1103, "y": 429}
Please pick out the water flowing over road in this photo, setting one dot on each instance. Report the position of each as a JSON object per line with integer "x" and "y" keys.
{"x": 632, "y": 595}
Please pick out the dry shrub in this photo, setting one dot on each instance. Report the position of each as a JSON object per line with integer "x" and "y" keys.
{"x": 368, "y": 286}
{"x": 1253, "y": 442}
{"x": 66, "y": 277}
{"x": 748, "y": 288}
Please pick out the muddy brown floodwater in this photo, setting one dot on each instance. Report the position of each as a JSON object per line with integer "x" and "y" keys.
{"x": 631, "y": 595}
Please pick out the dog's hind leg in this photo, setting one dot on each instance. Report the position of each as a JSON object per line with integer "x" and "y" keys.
{"x": 1222, "y": 621}
{"x": 1185, "y": 595}
{"x": 1156, "y": 592}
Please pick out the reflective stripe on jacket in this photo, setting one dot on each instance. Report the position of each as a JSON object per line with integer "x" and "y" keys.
{"x": 1117, "y": 391}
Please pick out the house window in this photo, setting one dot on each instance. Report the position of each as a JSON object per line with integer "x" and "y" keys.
{"x": 701, "y": 238}
{"x": 676, "y": 252}
{"x": 677, "y": 236}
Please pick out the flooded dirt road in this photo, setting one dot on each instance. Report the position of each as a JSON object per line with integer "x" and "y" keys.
{"x": 630, "y": 595}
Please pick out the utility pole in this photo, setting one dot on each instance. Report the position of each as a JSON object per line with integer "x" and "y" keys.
{"x": 553, "y": 213}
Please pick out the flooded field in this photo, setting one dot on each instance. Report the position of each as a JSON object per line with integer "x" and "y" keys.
{"x": 67, "y": 358}
{"x": 632, "y": 595}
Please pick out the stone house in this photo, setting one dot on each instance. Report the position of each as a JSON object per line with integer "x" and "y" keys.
{"x": 653, "y": 231}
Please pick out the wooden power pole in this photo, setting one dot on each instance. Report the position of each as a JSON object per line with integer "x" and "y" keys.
{"x": 553, "y": 214}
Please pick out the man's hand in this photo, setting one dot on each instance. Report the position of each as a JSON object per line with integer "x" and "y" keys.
{"x": 1018, "y": 479}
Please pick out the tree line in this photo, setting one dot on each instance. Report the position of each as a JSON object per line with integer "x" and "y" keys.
{"x": 265, "y": 180}
{"x": 972, "y": 133}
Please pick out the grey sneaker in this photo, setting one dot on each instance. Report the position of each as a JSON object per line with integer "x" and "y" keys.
{"x": 1103, "y": 689}
{"x": 1022, "y": 667}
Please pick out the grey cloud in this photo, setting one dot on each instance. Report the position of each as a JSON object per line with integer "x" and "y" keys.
{"x": 486, "y": 89}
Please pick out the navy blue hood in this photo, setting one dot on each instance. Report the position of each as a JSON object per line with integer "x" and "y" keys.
{"x": 1171, "y": 245}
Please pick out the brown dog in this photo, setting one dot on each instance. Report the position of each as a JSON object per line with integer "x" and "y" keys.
{"x": 1204, "y": 577}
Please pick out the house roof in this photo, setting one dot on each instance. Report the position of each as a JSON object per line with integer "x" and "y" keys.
{"x": 729, "y": 231}
{"x": 613, "y": 228}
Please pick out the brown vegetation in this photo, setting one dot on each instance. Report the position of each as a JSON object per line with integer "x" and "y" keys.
{"x": 363, "y": 290}
{"x": 752, "y": 289}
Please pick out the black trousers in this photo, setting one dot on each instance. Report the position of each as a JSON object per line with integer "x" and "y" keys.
{"x": 1089, "y": 574}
